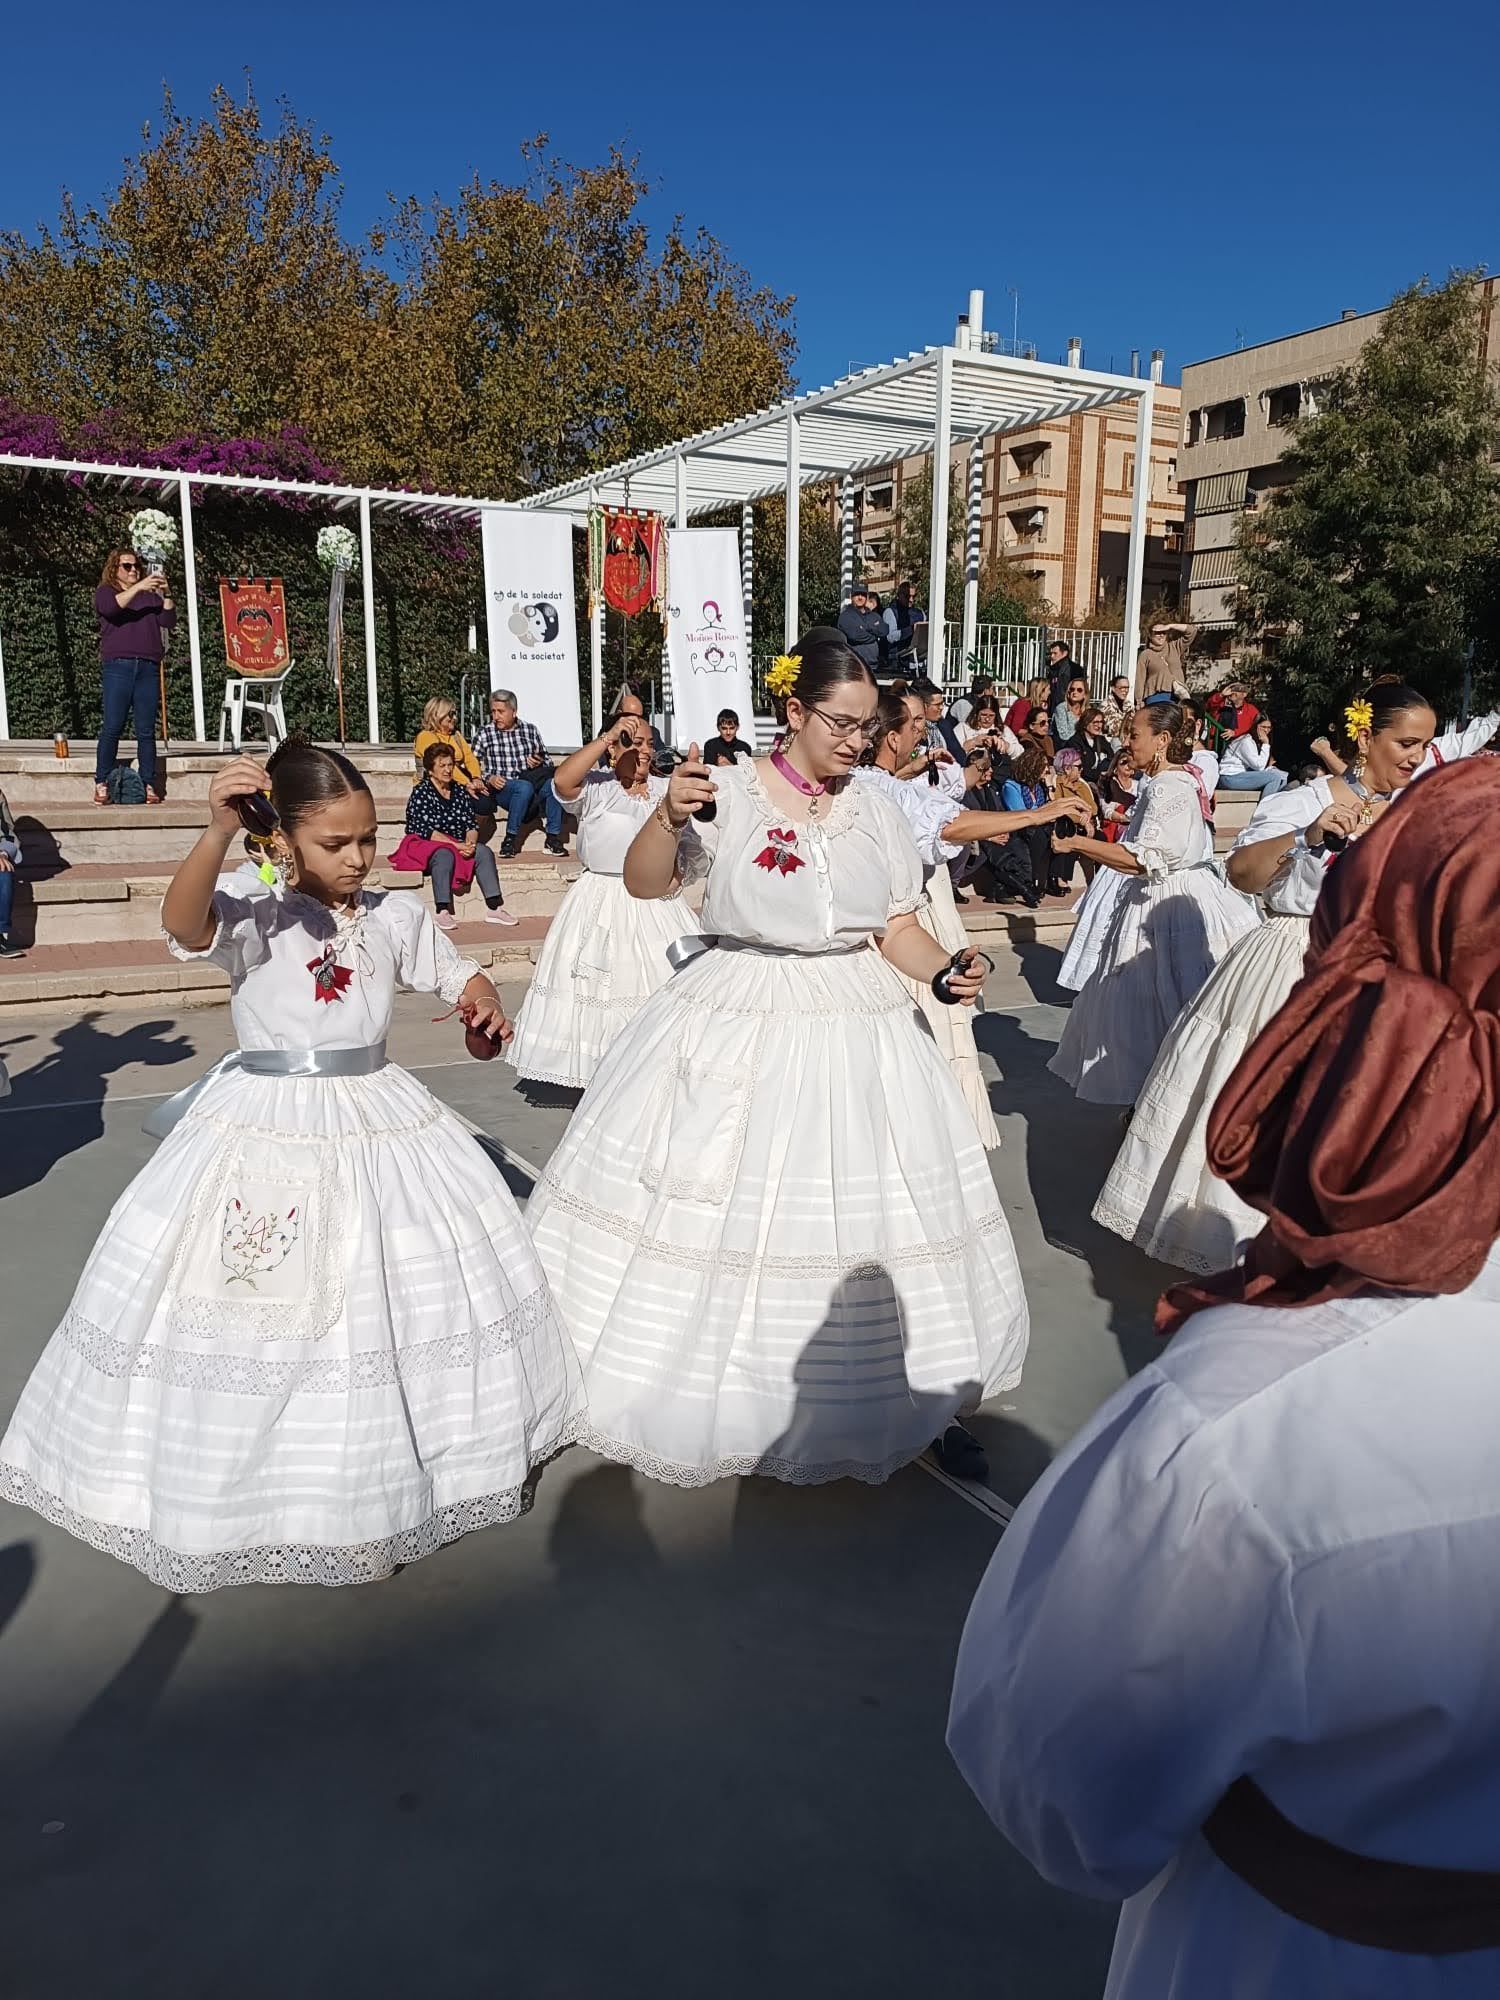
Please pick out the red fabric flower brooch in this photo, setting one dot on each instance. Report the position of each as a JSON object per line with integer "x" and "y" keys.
{"x": 779, "y": 856}
{"x": 329, "y": 978}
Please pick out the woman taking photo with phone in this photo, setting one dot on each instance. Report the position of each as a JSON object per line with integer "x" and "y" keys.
{"x": 605, "y": 953}
{"x": 770, "y": 1226}
{"x": 135, "y": 614}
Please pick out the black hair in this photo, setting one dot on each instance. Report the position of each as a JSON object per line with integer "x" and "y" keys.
{"x": 728, "y": 715}
{"x": 1388, "y": 699}
{"x": 305, "y": 776}
{"x": 891, "y": 713}
{"x": 1169, "y": 719}
{"x": 432, "y": 753}
{"x": 828, "y": 661}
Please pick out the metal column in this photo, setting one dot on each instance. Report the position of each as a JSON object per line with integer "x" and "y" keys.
{"x": 972, "y": 542}
{"x": 938, "y": 553}
{"x": 190, "y": 592}
{"x": 747, "y": 575}
{"x": 846, "y": 538}
{"x": 596, "y": 631}
{"x": 367, "y": 584}
{"x": 791, "y": 605}
{"x": 1135, "y": 569}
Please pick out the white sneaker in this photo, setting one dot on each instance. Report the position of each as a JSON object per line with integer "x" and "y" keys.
{"x": 446, "y": 921}
{"x": 500, "y": 916}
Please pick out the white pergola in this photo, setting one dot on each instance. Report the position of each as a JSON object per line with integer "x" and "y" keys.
{"x": 152, "y": 484}
{"x": 927, "y": 403}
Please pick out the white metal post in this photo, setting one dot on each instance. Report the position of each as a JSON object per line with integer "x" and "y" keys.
{"x": 4, "y": 704}
{"x": 938, "y": 553}
{"x": 846, "y": 539}
{"x": 682, "y": 492}
{"x": 1135, "y": 568}
{"x": 972, "y": 540}
{"x": 596, "y": 628}
{"x": 791, "y": 603}
{"x": 747, "y": 575}
{"x": 190, "y": 592}
{"x": 367, "y": 581}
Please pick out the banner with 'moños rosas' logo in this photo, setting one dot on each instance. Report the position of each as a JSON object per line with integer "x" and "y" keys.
{"x": 706, "y": 650}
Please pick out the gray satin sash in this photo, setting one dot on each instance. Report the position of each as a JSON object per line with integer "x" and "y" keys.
{"x": 684, "y": 950}
{"x": 265, "y": 1062}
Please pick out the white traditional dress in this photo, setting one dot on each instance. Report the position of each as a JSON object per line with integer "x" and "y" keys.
{"x": 770, "y": 1226}
{"x": 605, "y": 951}
{"x": 1168, "y": 928}
{"x": 929, "y": 810}
{"x": 1275, "y": 1552}
{"x": 313, "y": 1340}
{"x": 1091, "y": 917}
{"x": 1161, "y": 1193}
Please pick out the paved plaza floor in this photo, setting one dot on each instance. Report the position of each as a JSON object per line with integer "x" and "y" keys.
{"x": 641, "y": 1742}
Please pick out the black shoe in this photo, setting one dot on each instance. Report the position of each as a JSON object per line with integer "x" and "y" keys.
{"x": 555, "y": 844}
{"x": 510, "y": 847}
{"x": 10, "y": 950}
{"x": 960, "y": 1453}
{"x": 1031, "y": 899}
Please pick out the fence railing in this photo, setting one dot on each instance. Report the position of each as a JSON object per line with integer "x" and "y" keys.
{"x": 1015, "y": 654}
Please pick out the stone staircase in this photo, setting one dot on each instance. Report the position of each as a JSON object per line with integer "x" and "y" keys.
{"x": 88, "y": 906}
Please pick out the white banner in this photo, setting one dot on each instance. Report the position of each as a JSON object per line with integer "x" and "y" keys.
{"x": 706, "y": 650}
{"x": 528, "y": 594}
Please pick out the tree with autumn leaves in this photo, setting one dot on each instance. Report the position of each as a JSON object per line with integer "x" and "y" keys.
{"x": 514, "y": 336}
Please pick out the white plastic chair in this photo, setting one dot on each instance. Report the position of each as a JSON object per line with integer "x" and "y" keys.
{"x": 260, "y": 693}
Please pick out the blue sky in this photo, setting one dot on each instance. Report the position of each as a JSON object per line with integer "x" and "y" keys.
{"x": 1189, "y": 178}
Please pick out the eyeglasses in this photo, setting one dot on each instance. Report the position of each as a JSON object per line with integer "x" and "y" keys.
{"x": 124, "y": 566}
{"x": 847, "y": 725}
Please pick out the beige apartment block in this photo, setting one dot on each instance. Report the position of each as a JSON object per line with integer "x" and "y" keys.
{"x": 1235, "y": 413}
{"x": 1057, "y": 500}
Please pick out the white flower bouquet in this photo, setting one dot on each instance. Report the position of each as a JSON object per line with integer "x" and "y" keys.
{"x": 338, "y": 548}
{"x": 153, "y": 535}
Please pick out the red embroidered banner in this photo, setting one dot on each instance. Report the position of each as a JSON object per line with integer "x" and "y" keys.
{"x": 254, "y": 613}
{"x": 634, "y": 547}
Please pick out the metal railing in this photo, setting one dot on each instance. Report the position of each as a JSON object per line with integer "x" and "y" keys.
{"x": 1016, "y": 654}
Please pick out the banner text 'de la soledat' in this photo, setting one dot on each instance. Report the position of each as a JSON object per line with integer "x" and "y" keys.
{"x": 533, "y": 635}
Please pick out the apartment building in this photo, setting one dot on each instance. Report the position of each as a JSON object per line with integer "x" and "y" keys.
{"x": 1235, "y": 412}
{"x": 1057, "y": 499}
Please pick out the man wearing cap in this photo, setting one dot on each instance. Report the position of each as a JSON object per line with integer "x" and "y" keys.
{"x": 861, "y": 626}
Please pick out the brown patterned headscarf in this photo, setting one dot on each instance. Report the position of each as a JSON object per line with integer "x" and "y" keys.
{"x": 1364, "y": 1120}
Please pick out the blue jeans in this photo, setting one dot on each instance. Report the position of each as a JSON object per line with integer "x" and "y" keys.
{"x": 515, "y": 797}
{"x": 12, "y": 849}
{"x": 129, "y": 684}
{"x": 1268, "y": 782}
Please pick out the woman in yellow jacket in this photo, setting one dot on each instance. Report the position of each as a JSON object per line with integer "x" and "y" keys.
{"x": 440, "y": 725}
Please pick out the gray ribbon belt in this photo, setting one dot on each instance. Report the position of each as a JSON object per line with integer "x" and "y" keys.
{"x": 682, "y": 951}
{"x": 265, "y": 1062}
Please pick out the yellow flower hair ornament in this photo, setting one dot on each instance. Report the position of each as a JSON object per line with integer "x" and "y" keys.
{"x": 1359, "y": 715}
{"x": 782, "y": 677}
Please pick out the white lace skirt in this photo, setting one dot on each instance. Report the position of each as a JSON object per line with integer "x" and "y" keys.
{"x": 1161, "y": 1194}
{"x": 1091, "y": 915}
{"x": 605, "y": 953}
{"x": 772, "y": 1232}
{"x": 953, "y": 1027}
{"x": 312, "y": 1342}
{"x": 1164, "y": 938}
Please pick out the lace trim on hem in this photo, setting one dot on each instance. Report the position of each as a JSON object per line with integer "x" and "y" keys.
{"x": 1160, "y": 1244}
{"x": 304, "y": 1375}
{"x": 743, "y": 1263}
{"x": 289, "y": 1562}
{"x": 792, "y": 1472}
{"x": 525, "y": 1074}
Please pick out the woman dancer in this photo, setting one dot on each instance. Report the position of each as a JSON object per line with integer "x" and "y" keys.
{"x": 1234, "y": 1658}
{"x": 1161, "y": 1194}
{"x": 788, "y": 1256}
{"x": 604, "y": 953}
{"x": 942, "y": 829}
{"x": 1171, "y": 922}
{"x": 314, "y": 1341}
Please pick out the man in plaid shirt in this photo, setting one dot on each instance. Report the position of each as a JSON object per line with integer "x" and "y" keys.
{"x": 514, "y": 762}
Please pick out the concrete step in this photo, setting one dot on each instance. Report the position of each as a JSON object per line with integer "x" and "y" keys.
{"x": 104, "y": 903}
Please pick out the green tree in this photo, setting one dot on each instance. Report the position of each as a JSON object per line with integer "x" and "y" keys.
{"x": 1374, "y": 558}
{"x": 818, "y": 560}
{"x": 1007, "y": 596}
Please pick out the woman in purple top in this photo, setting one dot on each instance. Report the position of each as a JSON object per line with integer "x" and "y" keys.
{"x": 135, "y": 614}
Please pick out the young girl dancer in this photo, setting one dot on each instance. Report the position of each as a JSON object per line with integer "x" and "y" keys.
{"x": 1171, "y": 922}
{"x": 605, "y": 953}
{"x": 770, "y": 1226}
{"x": 942, "y": 827}
{"x": 1161, "y": 1193}
{"x": 313, "y": 1341}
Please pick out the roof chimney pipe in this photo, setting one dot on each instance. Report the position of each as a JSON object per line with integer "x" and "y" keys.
{"x": 1157, "y": 358}
{"x": 1075, "y": 352}
{"x": 1135, "y": 361}
{"x": 961, "y": 332}
{"x": 976, "y": 321}
{"x": 1349, "y": 313}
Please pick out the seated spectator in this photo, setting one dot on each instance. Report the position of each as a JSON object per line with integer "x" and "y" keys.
{"x": 1118, "y": 711}
{"x": 728, "y": 744}
{"x": 440, "y": 725}
{"x": 443, "y": 841}
{"x": 631, "y": 700}
{"x": 1092, "y": 743}
{"x": 1068, "y": 764}
{"x": 1020, "y": 712}
{"x": 1247, "y": 765}
{"x": 1229, "y": 713}
{"x": 518, "y": 773}
{"x": 984, "y": 726}
{"x": 1068, "y": 714}
{"x": 10, "y": 855}
{"x": 1026, "y": 788}
{"x": 942, "y": 732}
{"x": 1036, "y": 734}
{"x": 1117, "y": 796}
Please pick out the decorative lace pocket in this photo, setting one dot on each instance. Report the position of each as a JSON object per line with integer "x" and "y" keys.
{"x": 697, "y": 1129}
{"x": 258, "y": 1259}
